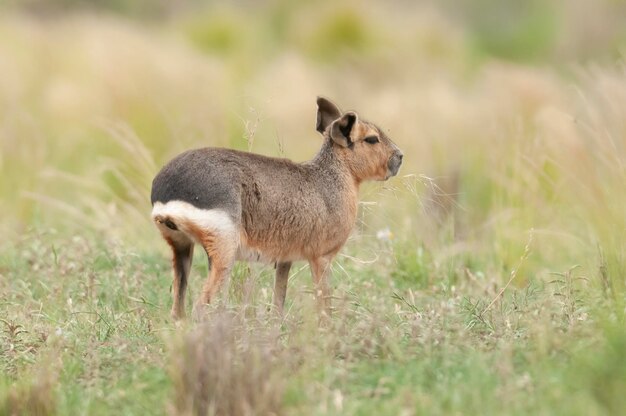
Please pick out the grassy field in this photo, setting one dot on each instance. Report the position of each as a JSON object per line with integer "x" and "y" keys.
{"x": 489, "y": 277}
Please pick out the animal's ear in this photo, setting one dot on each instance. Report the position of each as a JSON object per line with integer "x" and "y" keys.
{"x": 341, "y": 129}
{"x": 327, "y": 112}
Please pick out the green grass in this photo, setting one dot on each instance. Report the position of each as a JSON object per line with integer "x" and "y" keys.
{"x": 86, "y": 331}
{"x": 488, "y": 278}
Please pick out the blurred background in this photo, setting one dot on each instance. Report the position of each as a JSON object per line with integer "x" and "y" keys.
{"x": 511, "y": 114}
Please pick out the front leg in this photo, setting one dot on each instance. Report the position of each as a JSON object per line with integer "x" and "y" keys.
{"x": 280, "y": 285}
{"x": 320, "y": 270}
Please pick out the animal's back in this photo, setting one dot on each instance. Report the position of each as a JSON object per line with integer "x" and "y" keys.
{"x": 216, "y": 178}
{"x": 200, "y": 177}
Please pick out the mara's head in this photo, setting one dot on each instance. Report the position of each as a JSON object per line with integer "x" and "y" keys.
{"x": 363, "y": 146}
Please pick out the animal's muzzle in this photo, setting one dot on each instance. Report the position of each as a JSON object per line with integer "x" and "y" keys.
{"x": 394, "y": 163}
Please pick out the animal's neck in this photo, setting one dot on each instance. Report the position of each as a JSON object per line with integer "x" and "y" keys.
{"x": 340, "y": 186}
{"x": 330, "y": 164}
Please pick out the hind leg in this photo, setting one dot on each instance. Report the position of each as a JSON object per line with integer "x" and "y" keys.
{"x": 181, "y": 262}
{"x": 221, "y": 249}
{"x": 217, "y": 230}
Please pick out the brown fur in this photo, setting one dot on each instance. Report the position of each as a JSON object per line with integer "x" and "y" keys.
{"x": 242, "y": 205}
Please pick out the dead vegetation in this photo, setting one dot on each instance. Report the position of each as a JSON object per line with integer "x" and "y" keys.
{"x": 230, "y": 365}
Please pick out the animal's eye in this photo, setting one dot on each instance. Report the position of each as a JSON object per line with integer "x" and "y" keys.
{"x": 371, "y": 139}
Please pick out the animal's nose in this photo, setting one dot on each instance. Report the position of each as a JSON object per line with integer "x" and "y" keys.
{"x": 400, "y": 156}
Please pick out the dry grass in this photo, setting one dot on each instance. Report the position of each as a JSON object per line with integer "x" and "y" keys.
{"x": 36, "y": 397}
{"x": 229, "y": 366}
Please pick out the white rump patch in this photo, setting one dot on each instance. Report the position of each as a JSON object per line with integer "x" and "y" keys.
{"x": 182, "y": 213}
